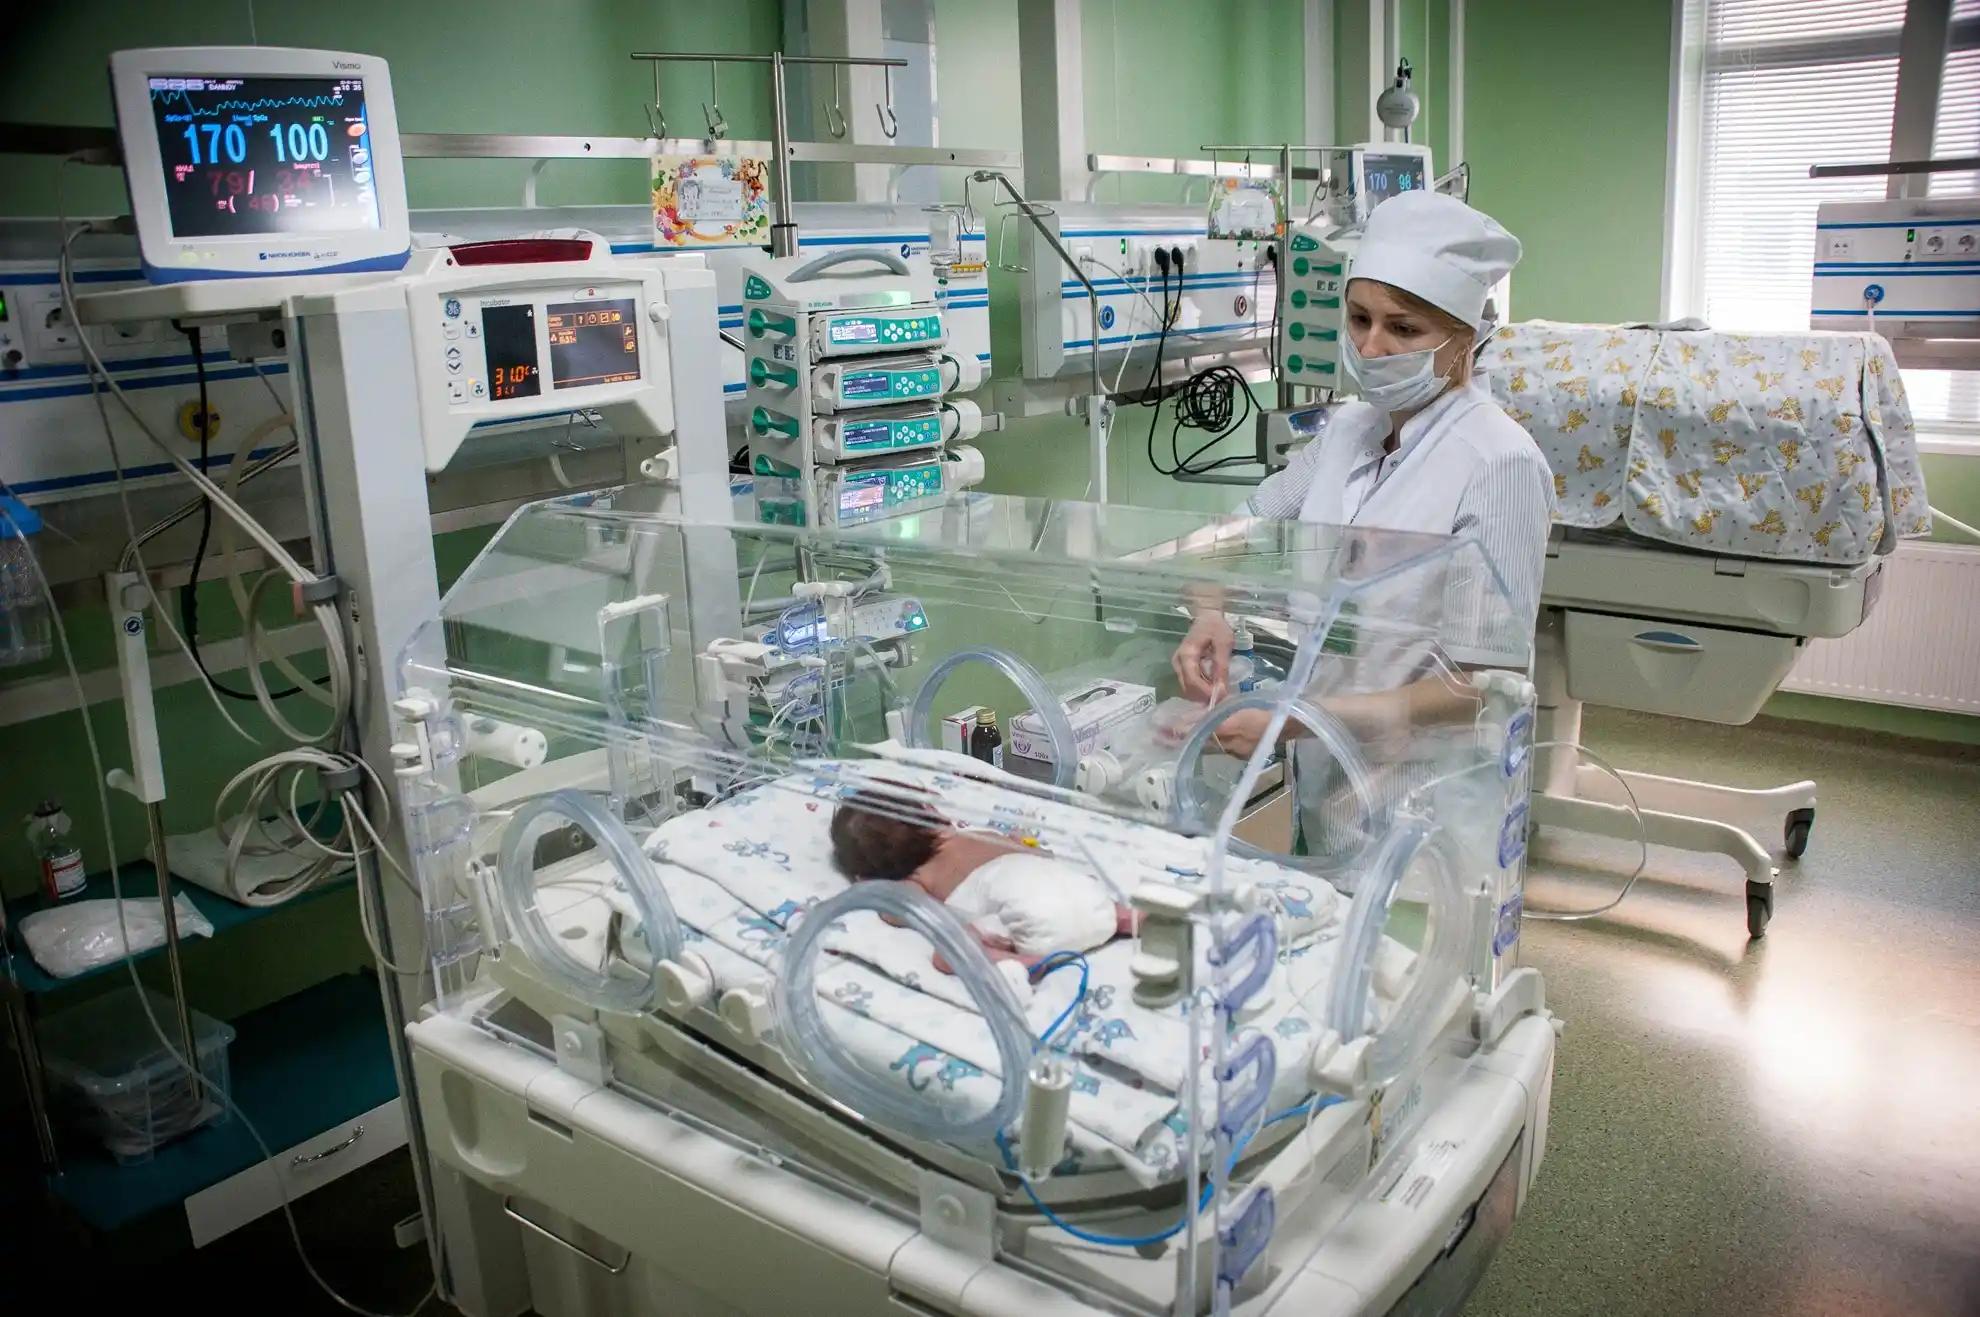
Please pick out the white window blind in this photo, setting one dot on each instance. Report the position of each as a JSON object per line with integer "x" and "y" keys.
{"x": 1777, "y": 86}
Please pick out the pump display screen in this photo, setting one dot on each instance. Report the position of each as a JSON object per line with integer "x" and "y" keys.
{"x": 257, "y": 155}
{"x": 593, "y": 343}
{"x": 508, "y": 335}
{"x": 1389, "y": 175}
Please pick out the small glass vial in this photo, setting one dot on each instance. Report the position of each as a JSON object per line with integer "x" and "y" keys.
{"x": 62, "y": 874}
{"x": 985, "y": 741}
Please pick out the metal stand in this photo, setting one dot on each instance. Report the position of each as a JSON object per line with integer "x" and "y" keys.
{"x": 27, "y": 1048}
{"x": 129, "y": 596}
{"x": 1098, "y": 408}
{"x": 783, "y": 229}
{"x": 1676, "y": 812}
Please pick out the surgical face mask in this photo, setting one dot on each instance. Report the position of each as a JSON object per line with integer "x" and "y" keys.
{"x": 1399, "y": 383}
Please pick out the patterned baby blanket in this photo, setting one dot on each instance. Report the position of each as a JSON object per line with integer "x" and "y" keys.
{"x": 1784, "y": 446}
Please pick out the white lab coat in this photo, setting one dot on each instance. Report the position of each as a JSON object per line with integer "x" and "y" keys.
{"x": 1455, "y": 448}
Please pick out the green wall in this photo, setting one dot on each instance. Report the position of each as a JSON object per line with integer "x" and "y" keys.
{"x": 1566, "y": 131}
{"x": 498, "y": 66}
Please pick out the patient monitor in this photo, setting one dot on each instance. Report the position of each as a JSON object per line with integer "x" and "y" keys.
{"x": 253, "y": 161}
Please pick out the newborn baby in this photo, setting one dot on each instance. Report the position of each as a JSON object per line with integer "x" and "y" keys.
{"x": 1019, "y": 902}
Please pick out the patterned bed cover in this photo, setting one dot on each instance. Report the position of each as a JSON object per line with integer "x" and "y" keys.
{"x": 1794, "y": 447}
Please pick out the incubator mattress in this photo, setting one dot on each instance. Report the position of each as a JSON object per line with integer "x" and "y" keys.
{"x": 738, "y": 873}
{"x": 1797, "y": 447}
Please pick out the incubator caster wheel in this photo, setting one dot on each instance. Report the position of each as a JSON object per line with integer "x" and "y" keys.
{"x": 1759, "y": 908}
{"x": 1800, "y": 822}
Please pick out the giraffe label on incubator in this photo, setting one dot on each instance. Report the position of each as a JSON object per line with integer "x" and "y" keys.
{"x": 1507, "y": 933}
{"x": 1512, "y": 836}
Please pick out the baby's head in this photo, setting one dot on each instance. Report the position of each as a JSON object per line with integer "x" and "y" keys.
{"x": 884, "y": 834}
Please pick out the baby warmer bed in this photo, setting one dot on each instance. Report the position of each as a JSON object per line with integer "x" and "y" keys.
{"x": 1722, "y": 498}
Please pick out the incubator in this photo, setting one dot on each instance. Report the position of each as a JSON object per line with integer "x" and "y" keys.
{"x": 720, "y": 1026}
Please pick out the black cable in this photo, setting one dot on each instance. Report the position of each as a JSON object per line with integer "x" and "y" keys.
{"x": 189, "y": 596}
{"x": 1151, "y": 396}
{"x": 1209, "y": 401}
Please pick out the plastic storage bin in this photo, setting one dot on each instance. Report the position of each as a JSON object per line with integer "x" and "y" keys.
{"x": 112, "y": 1076}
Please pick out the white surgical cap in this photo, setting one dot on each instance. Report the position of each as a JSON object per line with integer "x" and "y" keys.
{"x": 1439, "y": 249}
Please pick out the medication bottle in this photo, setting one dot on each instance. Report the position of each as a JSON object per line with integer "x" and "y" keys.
{"x": 1250, "y": 670}
{"x": 62, "y": 873}
{"x": 985, "y": 741}
{"x": 25, "y": 633}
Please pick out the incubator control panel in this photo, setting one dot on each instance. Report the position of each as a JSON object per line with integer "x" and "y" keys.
{"x": 500, "y": 343}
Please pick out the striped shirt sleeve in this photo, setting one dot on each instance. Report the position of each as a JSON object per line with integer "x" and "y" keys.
{"x": 1281, "y": 494}
{"x": 1508, "y": 510}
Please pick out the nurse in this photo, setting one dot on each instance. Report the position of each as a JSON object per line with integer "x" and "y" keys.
{"x": 1427, "y": 449}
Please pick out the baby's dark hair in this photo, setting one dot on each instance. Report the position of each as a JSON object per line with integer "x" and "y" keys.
{"x": 883, "y": 834}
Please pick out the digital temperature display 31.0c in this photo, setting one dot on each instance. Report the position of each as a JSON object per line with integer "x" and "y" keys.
{"x": 593, "y": 343}
{"x": 508, "y": 336}
{"x": 254, "y": 155}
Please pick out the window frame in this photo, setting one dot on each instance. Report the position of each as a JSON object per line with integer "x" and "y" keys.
{"x": 1691, "y": 64}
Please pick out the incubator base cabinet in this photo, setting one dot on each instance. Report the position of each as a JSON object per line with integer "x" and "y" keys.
{"x": 752, "y": 999}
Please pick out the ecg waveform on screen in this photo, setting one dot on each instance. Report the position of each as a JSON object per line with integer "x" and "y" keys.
{"x": 251, "y": 107}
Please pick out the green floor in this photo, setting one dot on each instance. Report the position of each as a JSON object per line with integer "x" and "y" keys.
{"x": 1790, "y": 1127}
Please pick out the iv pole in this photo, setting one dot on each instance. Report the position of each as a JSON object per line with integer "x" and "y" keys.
{"x": 783, "y": 229}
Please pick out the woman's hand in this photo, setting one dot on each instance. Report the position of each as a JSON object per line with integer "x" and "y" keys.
{"x": 1203, "y": 660}
{"x": 1239, "y": 734}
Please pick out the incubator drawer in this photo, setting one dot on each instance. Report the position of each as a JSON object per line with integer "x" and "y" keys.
{"x": 1656, "y": 665}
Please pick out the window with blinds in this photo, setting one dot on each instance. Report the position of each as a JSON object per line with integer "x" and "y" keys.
{"x": 1771, "y": 87}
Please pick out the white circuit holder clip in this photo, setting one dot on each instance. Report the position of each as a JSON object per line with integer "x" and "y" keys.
{"x": 581, "y": 1049}
{"x": 663, "y": 468}
{"x": 1523, "y": 993}
{"x": 1164, "y": 960}
{"x": 684, "y": 986}
{"x": 748, "y": 1013}
{"x": 958, "y": 1216}
{"x": 1341, "y": 1068}
{"x": 417, "y": 709}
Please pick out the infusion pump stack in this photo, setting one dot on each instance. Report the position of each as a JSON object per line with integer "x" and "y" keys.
{"x": 851, "y": 406}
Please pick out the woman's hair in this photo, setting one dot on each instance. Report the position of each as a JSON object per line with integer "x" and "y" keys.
{"x": 883, "y": 834}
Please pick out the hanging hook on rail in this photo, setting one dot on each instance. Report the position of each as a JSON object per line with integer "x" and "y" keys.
{"x": 656, "y": 118}
{"x": 718, "y": 127}
{"x": 835, "y": 113}
{"x": 890, "y": 123}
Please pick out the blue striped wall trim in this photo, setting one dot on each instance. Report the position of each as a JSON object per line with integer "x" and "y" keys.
{"x": 1241, "y": 326}
{"x": 1900, "y": 271}
{"x": 1903, "y": 224}
{"x": 147, "y": 382}
{"x": 130, "y": 473}
{"x": 1891, "y": 313}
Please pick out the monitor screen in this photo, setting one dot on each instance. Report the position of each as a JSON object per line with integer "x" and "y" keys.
{"x": 593, "y": 342}
{"x": 1387, "y": 175}
{"x": 259, "y": 155}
